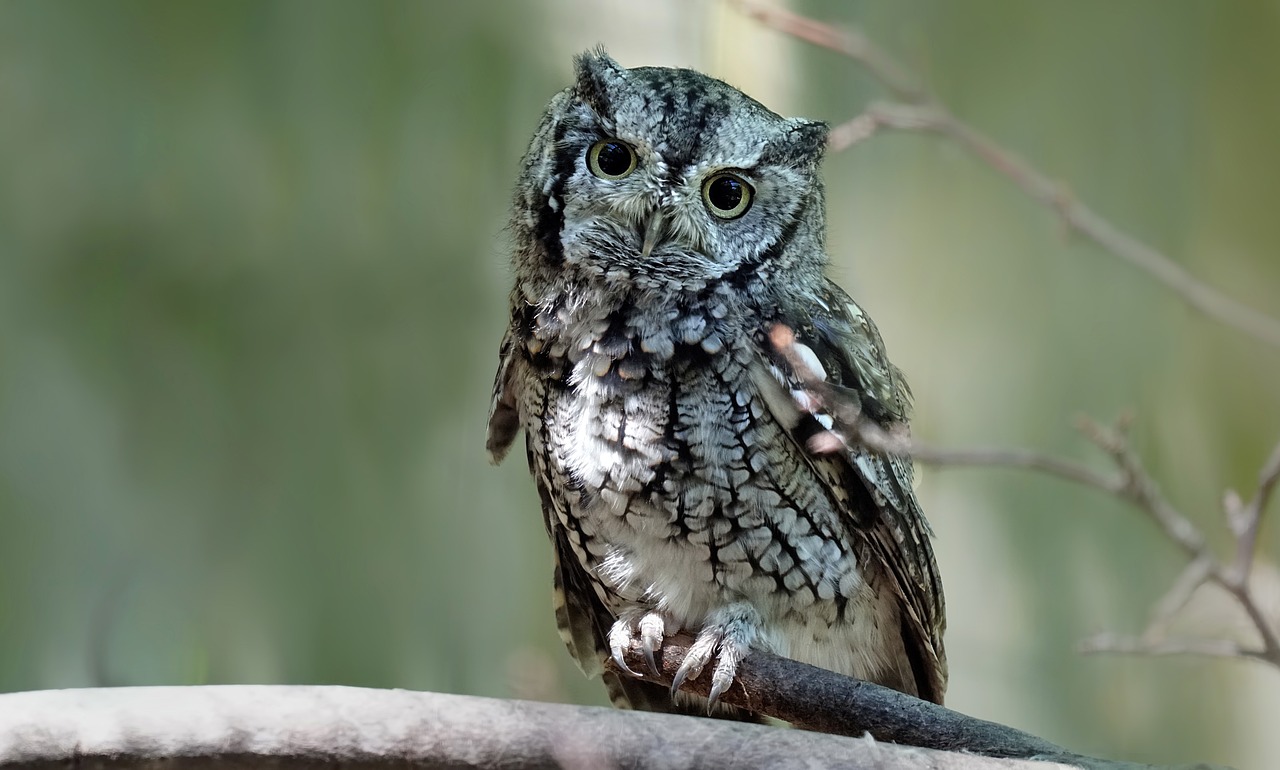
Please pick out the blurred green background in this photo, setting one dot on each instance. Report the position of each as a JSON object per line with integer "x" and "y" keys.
{"x": 253, "y": 276}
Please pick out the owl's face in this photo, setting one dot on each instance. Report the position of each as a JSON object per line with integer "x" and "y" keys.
{"x": 661, "y": 178}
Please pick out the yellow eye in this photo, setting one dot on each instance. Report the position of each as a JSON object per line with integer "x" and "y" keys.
{"x": 728, "y": 196}
{"x": 611, "y": 159}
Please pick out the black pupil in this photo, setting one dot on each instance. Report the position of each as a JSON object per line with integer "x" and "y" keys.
{"x": 614, "y": 159}
{"x": 725, "y": 193}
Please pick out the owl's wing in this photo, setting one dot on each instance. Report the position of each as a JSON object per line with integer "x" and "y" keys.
{"x": 504, "y": 416}
{"x": 820, "y": 374}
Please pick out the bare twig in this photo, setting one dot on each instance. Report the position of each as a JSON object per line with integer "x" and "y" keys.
{"x": 1248, "y": 520}
{"x": 851, "y": 428}
{"x": 847, "y": 41}
{"x": 1197, "y": 573}
{"x": 1138, "y": 488}
{"x": 922, "y": 111}
{"x": 1212, "y": 648}
{"x": 1135, "y": 485}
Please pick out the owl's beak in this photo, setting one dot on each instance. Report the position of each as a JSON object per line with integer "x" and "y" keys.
{"x": 654, "y": 229}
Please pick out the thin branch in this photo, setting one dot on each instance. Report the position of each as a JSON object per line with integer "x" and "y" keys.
{"x": 1124, "y": 645}
{"x": 1243, "y": 594}
{"x": 1197, "y": 573}
{"x": 847, "y": 42}
{"x": 1140, "y": 489}
{"x": 1026, "y": 459}
{"x": 1136, "y": 486}
{"x": 1245, "y": 526}
{"x": 1249, "y": 520}
{"x": 923, "y": 111}
{"x": 850, "y": 428}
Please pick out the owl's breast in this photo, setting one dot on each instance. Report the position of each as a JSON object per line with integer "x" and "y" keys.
{"x": 677, "y": 483}
{"x": 641, "y": 424}
{"x": 654, "y": 389}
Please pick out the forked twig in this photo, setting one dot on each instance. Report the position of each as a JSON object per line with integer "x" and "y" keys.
{"x": 851, "y": 428}
{"x": 1134, "y": 485}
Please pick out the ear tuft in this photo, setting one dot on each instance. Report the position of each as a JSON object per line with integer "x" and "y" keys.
{"x": 597, "y": 73}
{"x": 801, "y": 143}
{"x": 809, "y": 137}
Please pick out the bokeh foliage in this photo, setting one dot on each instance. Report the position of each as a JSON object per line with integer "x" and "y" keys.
{"x": 252, "y": 277}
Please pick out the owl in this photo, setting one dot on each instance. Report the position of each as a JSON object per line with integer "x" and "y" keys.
{"x": 687, "y": 379}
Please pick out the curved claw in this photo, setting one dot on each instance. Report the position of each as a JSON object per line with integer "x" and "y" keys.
{"x": 636, "y": 624}
{"x": 619, "y": 640}
{"x": 681, "y": 674}
{"x": 726, "y": 639}
{"x": 718, "y": 688}
{"x": 652, "y": 631}
{"x": 702, "y": 650}
{"x": 621, "y": 663}
{"x": 722, "y": 678}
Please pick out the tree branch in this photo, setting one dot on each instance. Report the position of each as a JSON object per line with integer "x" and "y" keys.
{"x": 921, "y": 110}
{"x": 1211, "y": 648}
{"x": 823, "y": 701}
{"x": 850, "y": 429}
{"x": 220, "y": 728}
{"x": 1135, "y": 486}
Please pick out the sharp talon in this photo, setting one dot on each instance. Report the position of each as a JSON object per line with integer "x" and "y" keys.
{"x": 678, "y": 680}
{"x": 653, "y": 664}
{"x": 718, "y": 688}
{"x": 652, "y": 632}
{"x": 622, "y": 664}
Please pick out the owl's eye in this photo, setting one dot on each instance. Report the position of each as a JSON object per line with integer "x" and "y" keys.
{"x": 728, "y": 196}
{"x": 611, "y": 159}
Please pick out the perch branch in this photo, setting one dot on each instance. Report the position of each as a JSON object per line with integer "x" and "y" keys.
{"x": 225, "y": 727}
{"x": 822, "y": 701}
{"x": 920, "y": 110}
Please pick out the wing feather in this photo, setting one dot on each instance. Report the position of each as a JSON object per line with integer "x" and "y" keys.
{"x": 504, "y": 415}
{"x": 833, "y": 373}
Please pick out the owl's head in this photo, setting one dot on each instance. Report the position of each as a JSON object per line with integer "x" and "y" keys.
{"x": 667, "y": 179}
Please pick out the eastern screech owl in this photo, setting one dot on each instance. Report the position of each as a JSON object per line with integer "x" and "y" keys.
{"x": 684, "y": 373}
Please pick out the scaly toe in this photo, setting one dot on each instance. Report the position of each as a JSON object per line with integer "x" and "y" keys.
{"x": 727, "y": 637}
{"x": 718, "y": 688}
{"x": 619, "y": 640}
{"x": 725, "y": 671}
{"x": 652, "y": 632}
{"x": 702, "y": 650}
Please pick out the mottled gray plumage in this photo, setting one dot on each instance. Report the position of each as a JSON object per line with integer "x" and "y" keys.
{"x": 661, "y": 358}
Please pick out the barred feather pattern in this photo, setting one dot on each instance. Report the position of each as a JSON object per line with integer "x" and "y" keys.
{"x": 671, "y": 440}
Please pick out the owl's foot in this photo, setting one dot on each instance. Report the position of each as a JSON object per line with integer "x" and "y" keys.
{"x": 647, "y": 625}
{"x": 727, "y": 636}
